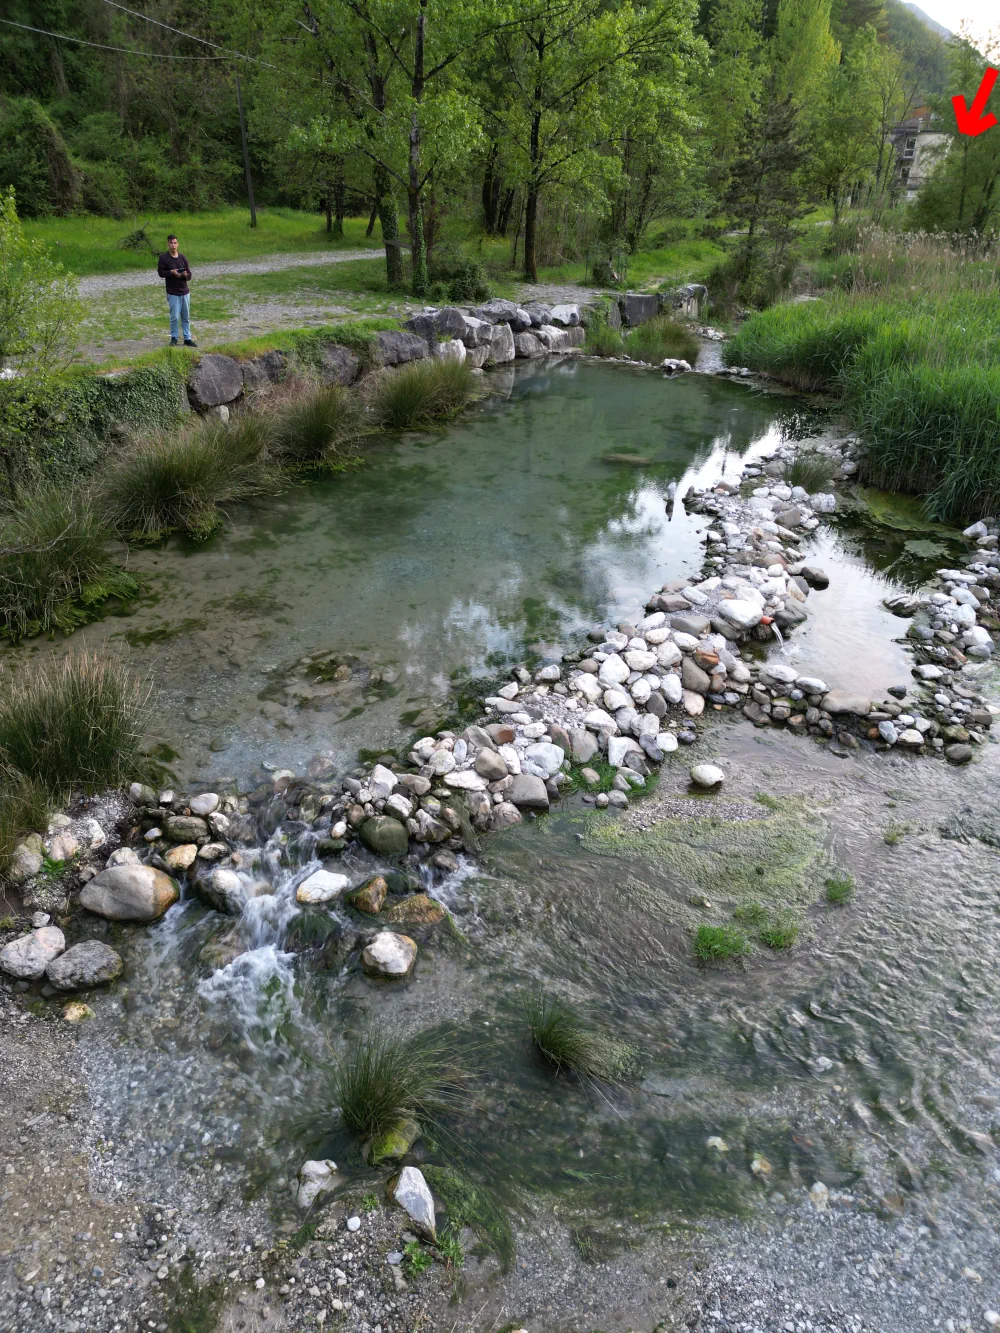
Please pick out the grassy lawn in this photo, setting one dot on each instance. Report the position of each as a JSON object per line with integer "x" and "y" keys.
{"x": 87, "y": 245}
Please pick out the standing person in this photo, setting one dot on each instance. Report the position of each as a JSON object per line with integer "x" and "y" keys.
{"x": 173, "y": 267}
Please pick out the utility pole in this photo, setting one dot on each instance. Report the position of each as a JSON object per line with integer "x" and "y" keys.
{"x": 246, "y": 155}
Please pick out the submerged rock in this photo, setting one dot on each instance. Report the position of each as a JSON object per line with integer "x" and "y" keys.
{"x": 385, "y": 836}
{"x": 321, "y": 887}
{"x": 130, "y": 893}
{"x": 370, "y": 897}
{"x": 416, "y": 910}
{"x": 394, "y": 1144}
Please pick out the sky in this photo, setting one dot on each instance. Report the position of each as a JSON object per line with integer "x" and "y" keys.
{"x": 982, "y": 14}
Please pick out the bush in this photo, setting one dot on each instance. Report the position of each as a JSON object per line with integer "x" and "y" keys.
{"x": 74, "y": 723}
{"x": 180, "y": 483}
{"x": 313, "y": 428}
{"x": 35, "y": 159}
{"x": 55, "y": 570}
{"x": 717, "y": 944}
{"x": 469, "y": 282}
{"x": 386, "y": 1077}
{"x": 780, "y": 933}
{"x": 662, "y": 337}
{"x": 420, "y": 393}
{"x": 568, "y": 1042}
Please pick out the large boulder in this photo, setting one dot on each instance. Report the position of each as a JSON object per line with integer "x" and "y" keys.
{"x": 91, "y": 963}
{"x": 129, "y": 893}
{"x": 185, "y": 828}
{"x": 28, "y": 956}
{"x": 385, "y": 836}
{"x": 263, "y": 371}
{"x": 321, "y": 886}
{"x": 223, "y": 889}
{"x": 499, "y": 311}
{"x": 338, "y": 365}
{"x": 452, "y": 350}
{"x": 394, "y": 347}
{"x": 501, "y": 344}
{"x": 424, "y": 325}
{"x": 556, "y": 340}
{"x": 215, "y": 380}
{"x": 527, "y": 346}
{"x": 528, "y": 792}
{"x": 566, "y": 315}
{"x": 640, "y": 308}
{"x": 451, "y": 323}
{"x": 844, "y": 701}
{"x": 477, "y": 333}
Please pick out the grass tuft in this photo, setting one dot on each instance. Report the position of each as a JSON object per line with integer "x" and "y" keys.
{"x": 57, "y": 570}
{"x": 420, "y": 393}
{"x": 781, "y": 933}
{"x": 386, "y": 1076}
{"x": 567, "y": 1040}
{"x": 662, "y": 337}
{"x": 718, "y": 944}
{"x": 180, "y": 483}
{"x": 314, "y": 428}
{"x": 840, "y": 889}
{"x": 24, "y": 808}
{"x": 811, "y": 470}
{"x": 74, "y": 723}
{"x": 603, "y": 340}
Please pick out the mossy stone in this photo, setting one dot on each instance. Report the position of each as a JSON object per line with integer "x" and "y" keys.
{"x": 394, "y": 1144}
{"x": 416, "y": 910}
{"x": 385, "y": 836}
{"x": 370, "y": 897}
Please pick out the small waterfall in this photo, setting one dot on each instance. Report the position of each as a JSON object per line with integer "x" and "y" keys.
{"x": 777, "y": 634}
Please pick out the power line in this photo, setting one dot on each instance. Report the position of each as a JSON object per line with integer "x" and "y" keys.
{"x": 227, "y": 53}
{"x": 102, "y": 46}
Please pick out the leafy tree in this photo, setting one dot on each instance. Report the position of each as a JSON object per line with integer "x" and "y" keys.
{"x": 847, "y": 121}
{"x": 39, "y": 315}
{"x": 35, "y": 160}
{"x": 803, "y": 49}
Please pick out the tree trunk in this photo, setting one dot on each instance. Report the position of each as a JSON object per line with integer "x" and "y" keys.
{"x": 389, "y": 219}
{"x": 534, "y": 154}
{"x": 371, "y": 220}
{"x": 530, "y": 224}
{"x": 506, "y": 207}
{"x": 339, "y": 200}
{"x": 492, "y": 188}
{"x": 328, "y": 208}
{"x": 418, "y": 255}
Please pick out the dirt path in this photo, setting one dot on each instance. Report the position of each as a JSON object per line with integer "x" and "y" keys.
{"x": 111, "y": 282}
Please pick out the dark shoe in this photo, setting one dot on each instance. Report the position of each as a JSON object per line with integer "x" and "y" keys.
{"x": 174, "y": 342}
{"x": 190, "y": 342}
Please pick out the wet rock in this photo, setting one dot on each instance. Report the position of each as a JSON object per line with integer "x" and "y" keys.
{"x": 322, "y": 886}
{"x": 389, "y": 955}
{"x": 816, "y": 577}
{"x": 140, "y": 794}
{"x": 129, "y": 893}
{"x": 204, "y": 804}
{"x": 28, "y": 956}
{"x": 370, "y": 897}
{"x": 505, "y": 815}
{"x": 316, "y": 1178}
{"x": 903, "y": 604}
{"x": 958, "y": 754}
{"x": 843, "y": 701}
{"x": 707, "y": 775}
{"x": 819, "y": 1196}
{"x": 527, "y": 792}
{"x": 385, "y": 836}
{"x": 416, "y": 910}
{"x": 91, "y": 963}
{"x": 410, "y": 1191}
{"x": 180, "y": 858}
{"x": 185, "y": 828}
{"x": 741, "y": 614}
{"x": 394, "y": 1144}
{"x": 222, "y": 889}
{"x": 790, "y": 615}
{"x": 215, "y": 380}
{"x": 76, "y": 1012}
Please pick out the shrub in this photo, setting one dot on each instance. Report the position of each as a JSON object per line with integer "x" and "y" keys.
{"x": 74, "y": 723}
{"x": 386, "y": 1076}
{"x": 717, "y": 944}
{"x": 811, "y": 470}
{"x": 469, "y": 282}
{"x": 54, "y": 564}
{"x": 566, "y": 1039}
{"x": 180, "y": 482}
{"x": 840, "y": 889}
{"x": 420, "y": 393}
{"x": 314, "y": 428}
{"x": 662, "y": 337}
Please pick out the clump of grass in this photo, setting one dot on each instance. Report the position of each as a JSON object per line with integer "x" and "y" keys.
{"x": 55, "y": 569}
{"x": 567, "y": 1040}
{"x": 840, "y": 889}
{"x": 181, "y": 482}
{"x": 416, "y": 1260}
{"x": 74, "y": 723}
{"x": 603, "y": 340}
{"x": 24, "y": 807}
{"x": 811, "y": 470}
{"x": 718, "y": 944}
{"x": 420, "y": 393}
{"x": 751, "y": 914}
{"x": 894, "y": 833}
{"x": 386, "y": 1076}
{"x": 781, "y": 933}
{"x": 315, "y": 427}
{"x": 662, "y": 337}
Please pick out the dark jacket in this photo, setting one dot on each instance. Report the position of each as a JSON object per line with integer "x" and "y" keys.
{"x": 169, "y": 267}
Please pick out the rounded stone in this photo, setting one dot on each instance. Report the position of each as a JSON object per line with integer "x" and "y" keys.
{"x": 321, "y": 887}
{"x": 385, "y": 836}
{"x": 91, "y": 963}
{"x": 389, "y": 955}
{"x": 28, "y": 956}
{"x": 129, "y": 893}
{"x": 707, "y": 775}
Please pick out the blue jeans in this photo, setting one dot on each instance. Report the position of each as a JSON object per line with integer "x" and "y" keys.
{"x": 180, "y": 315}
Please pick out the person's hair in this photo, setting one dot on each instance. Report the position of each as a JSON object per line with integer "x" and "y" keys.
{"x": 171, "y": 237}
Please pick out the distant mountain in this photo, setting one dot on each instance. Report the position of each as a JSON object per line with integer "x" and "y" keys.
{"x": 927, "y": 21}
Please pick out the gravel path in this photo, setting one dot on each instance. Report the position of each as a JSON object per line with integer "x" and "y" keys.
{"x": 111, "y": 282}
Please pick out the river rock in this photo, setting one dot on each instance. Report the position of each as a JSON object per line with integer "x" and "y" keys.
{"x": 910, "y": 738}
{"x": 411, "y": 1192}
{"x": 780, "y": 673}
{"x": 505, "y": 815}
{"x": 260, "y": 372}
{"x": 129, "y": 893}
{"x": 140, "y": 794}
{"x": 614, "y": 671}
{"x": 27, "y": 858}
{"x": 316, "y": 1178}
{"x": 547, "y": 756}
{"x": 91, "y": 963}
{"x": 583, "y": 744}
{"x": 452, "y": 350}
{"x": 707, "y": 775}
{"x": 441, "y": 762}
{"x": 389, "y": 955}
{"x": 465, "y": 780}
{"x": 222, "y": 889}
{"x": 693, "y": 678}
{"x": 395, "y": 347}
{"x": 694, "y": 704}
{"x": 527, "y": 792}
{"x": 619, "y": 748}
{"x": 490, "y": 765}
{"x": 321, "y": 887}
{"x": 185, "y": 828}
{"x": 417, "y": 909}
{"x": 181, "y": 857}
{"x": 567, "y": 315}
{"x": 816, "y": 578}
{"x": 28, "y": 956}
{"x": 215, "y": 380}
{"x": 370, "y": 897}
{"x": 743, "y": 615}
{"x": 843, "y": 701}
{"x": 958, "y": 754}
{"x": 204, "y": 804}
{"x": 501, "y": 344}
{"x": 385, "y": 836}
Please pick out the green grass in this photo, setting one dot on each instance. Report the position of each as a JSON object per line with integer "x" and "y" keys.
{"x": 603, "y": 340}
{"x": 812, "y": 470}
{"x": 314, "y": 427}
{"x": 181, "y": 482}
{"x": 659, "y": 338}
{"x": 386, "y": 1076}
{"x": 840, "y": 889}
{"x": 74, "y": 723}
{"x": 416, "y": 1259}
{"x": 58, "y": 572}
{"x": 893, "y": 834}
{"x": 719, "y": 944}
{"x": 24, "y": 808}
{"x": 751, "y": 914}
{"x": 781, "y": 933}
{"x": 419, "y": 393}
{"x": 566, "y": 1038}
{"x": 88, "y": 245}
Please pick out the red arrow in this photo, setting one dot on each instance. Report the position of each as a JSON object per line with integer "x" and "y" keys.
{"x": 971, "y": 120}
